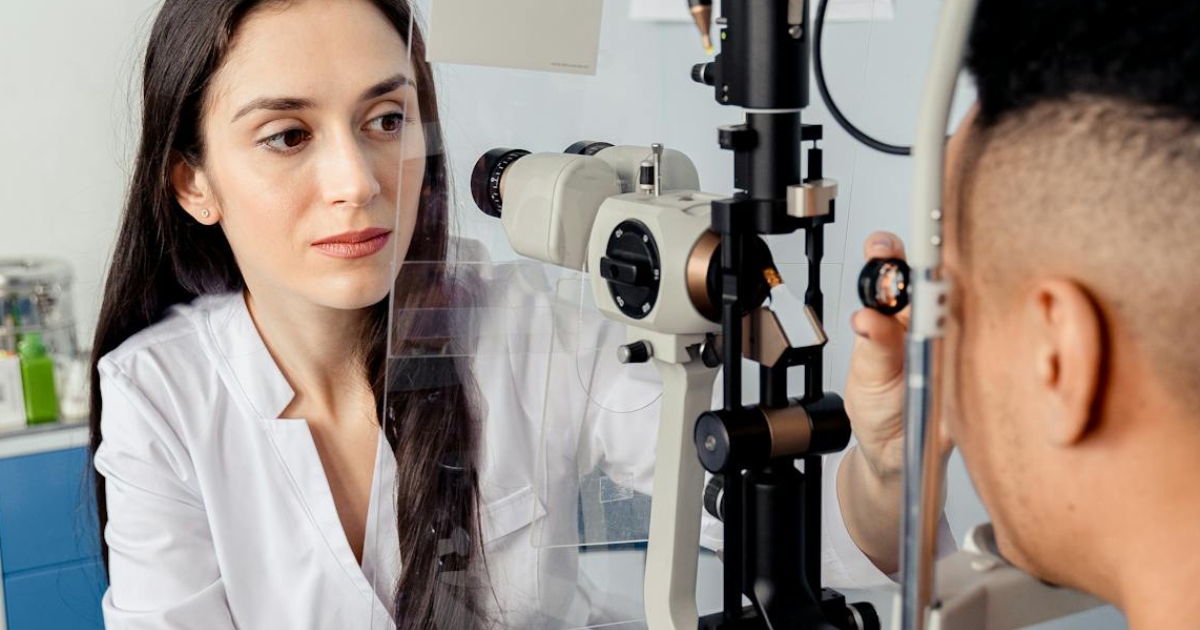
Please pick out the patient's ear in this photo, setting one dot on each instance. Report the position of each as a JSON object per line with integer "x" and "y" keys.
{"x": 193, "y": 190}
{"x": 1067, "y": 333}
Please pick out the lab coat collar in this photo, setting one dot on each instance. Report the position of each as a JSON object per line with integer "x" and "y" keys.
{"x": 256, "y": 375}
{"x": 259, "y": 382}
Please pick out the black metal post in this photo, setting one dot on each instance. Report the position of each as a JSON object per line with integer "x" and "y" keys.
{"x": 772, "y": 511}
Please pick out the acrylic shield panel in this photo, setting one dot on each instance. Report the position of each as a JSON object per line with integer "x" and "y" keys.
{"x": 512, "y": 487}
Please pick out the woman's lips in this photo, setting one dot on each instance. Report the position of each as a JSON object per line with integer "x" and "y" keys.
{"x": 355, "y": 244}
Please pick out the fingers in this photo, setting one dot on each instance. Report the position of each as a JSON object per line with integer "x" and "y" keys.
{"x": 877, "y": 328}
{"x": 878, "y": 355}
{"x": 883, "y": 245}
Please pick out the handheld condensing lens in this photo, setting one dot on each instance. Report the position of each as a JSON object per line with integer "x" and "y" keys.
{"x": 884, "y": 284}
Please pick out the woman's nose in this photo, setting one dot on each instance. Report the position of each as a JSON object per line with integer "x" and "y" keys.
{"x": 348, "y": 178}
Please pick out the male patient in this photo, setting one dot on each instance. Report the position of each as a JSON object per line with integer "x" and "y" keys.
{"x": 1073, "y": 242}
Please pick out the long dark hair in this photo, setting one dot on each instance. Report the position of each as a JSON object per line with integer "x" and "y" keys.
{"x": 427, "y": 407}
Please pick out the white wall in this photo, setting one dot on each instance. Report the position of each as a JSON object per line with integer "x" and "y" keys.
{"x": 66, "y": 117}
{"x": 68, "y": 75}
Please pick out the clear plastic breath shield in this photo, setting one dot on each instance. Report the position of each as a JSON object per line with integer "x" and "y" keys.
{"x": 526, "y": 397}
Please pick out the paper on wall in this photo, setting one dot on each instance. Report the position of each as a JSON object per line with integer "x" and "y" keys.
{"x": 547, "y": 35}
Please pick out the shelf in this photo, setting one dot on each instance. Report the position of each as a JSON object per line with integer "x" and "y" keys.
{"x": 6, "y": 331}
{"x": 42, "y": 438}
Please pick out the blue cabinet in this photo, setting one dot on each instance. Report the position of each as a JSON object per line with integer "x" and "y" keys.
{"x": 58, "y": 598}
{"x": 49, "y": 545}
{"x": 47, "y": 513}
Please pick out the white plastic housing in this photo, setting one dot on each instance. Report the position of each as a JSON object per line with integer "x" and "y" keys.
{"x": 550, "y": 203}
{"x": 678, "y": 171}
{"x": 676, "y": 221}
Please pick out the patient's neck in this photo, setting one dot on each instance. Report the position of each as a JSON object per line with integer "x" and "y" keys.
{"x": 1160, "y": 591}
{"x": 1156, "y": 548}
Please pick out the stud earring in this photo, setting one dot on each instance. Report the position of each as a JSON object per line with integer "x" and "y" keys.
{"x": 205, "y": 214}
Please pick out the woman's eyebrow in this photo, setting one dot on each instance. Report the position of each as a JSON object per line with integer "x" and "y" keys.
{"x": 282, "y": 104}
{"x": 389, "y": 84}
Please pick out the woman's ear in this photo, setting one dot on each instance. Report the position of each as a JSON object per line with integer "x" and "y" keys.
{"x": 193, "y": 191}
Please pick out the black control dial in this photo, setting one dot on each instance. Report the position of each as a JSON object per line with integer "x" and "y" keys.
{"x": 587, "y": 147}
{"x": 633, "y": 269}
{"x": 714, "y": 497}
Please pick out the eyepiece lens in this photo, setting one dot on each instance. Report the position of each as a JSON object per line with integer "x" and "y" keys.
{"x": 487, "y": 176}
{"x": 884, "y": 284}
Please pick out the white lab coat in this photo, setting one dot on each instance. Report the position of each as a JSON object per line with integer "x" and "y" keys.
{"x": 220, "y": 514}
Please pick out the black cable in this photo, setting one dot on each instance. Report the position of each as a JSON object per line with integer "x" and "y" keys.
{"x": 858, "y": 134}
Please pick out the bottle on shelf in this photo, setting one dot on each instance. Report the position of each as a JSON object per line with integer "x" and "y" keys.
{"x": 12, "y": 398}
{"x": 37, "y": 377}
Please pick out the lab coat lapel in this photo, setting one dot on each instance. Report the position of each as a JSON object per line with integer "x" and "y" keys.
{"x": 256, "y": 378}
{"x": 266, "y": 393}
{"x": 298, "y": 453}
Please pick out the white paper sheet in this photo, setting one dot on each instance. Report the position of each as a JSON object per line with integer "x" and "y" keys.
{"x": 546, "y": 35}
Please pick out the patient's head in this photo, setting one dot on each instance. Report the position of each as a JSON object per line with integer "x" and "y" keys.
{"x": 1074, "y": 243}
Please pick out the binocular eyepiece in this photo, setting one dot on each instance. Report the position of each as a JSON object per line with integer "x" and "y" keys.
{"x": 487, "y": 177}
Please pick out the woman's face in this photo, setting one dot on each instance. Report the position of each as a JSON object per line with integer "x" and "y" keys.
{"x": 314, "y": 154}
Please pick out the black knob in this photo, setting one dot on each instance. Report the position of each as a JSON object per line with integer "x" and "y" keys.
{"x": 712, "y": 442}
{"x": 703, "y": 73}
{"x": 633, "y": 273}
{"x": 636, "y": 352}
{"x": 486, "y": 177}
{"x": 710, "y": 352}
{"x": 587, "y": 147}
{"x": 830, "y": 424}
{"x": 646, "y": 175}
{"x": 862, "y": 616}
{"x": 737, "y": 137}
{"x": 731, "y": 440}
{"x": 728, "y": 441}
{"x": 632, "y": 269}
{"x": 714, "y": 497}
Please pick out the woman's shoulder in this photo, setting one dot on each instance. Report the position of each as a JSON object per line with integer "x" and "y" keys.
{"x": 158, "y": 390}
{"x": 179, "y": 337}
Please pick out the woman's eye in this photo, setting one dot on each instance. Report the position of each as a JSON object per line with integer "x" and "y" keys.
{"x": 286, "y": 140}
{"x": 387, "y": 123}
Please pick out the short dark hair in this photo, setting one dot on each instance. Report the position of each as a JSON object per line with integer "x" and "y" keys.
{"x": 1084, "y": 163}
{"x": 1027, "y": 52}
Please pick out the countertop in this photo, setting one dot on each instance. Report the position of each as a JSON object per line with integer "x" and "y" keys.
{"x": 43, "y": 438}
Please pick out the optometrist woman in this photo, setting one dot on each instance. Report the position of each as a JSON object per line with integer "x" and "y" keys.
{"x": 240, "y": 367}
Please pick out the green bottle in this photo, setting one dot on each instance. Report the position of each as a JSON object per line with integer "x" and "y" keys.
{"x": 37, "y": 378}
